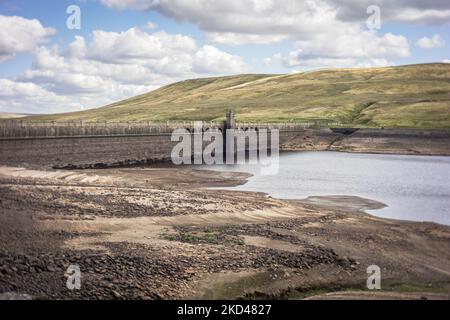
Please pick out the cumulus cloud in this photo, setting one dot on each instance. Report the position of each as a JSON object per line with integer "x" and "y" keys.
{"x": 151, "y": 25}
{"x": 235, "y": 39}
{"x": 205, "y": 12}
{"x": 112, "y": 66}
{"x": 293, "y": 60}
{"x": 242, "y": 21}
{"x": 127, "y": 4}
{"x": 276, "y": 59}
{"x": 322, "y": 30}
{"x": 423, "y": 16}
{"x": 18, "y": 35}
{"x": 435, "y": 41}
{"x": 410, "y": 11}
{"x": 28, "y": 97}
{"x": 360, "y": 47}
{"x": 135, "y": 46}
{"x": 209, "y": 59}
{"x": 77, "y": 48}
{"x": 344, "y": 48}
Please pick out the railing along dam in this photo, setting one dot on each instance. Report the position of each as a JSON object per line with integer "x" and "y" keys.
{"x": 80, "y": 144}
{"x": 16, "y": 129}
{"x": 95, "y": 144}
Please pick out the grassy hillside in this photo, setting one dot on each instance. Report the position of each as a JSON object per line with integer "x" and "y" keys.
{"x": 406, "y": 96}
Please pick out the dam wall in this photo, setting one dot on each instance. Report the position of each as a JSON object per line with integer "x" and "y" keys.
{"x": 84, "y": 151}
{"x": 129, "y": 145}
{"x": 75, "y": 144}
{"x": 95, "y": 151}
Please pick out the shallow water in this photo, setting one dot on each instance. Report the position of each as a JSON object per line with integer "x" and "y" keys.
{"x": 413, "y": 187}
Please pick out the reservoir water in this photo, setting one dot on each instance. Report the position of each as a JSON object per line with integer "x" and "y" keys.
{"x": 413, "y": 187}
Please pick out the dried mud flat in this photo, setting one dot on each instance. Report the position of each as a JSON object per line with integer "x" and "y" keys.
{"x": 155, "y": 233}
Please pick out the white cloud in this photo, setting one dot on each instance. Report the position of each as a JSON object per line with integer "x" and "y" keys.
{"x": 27, "y": 97}
{"x": 235, "y": 39}
{"x": 9, "y": 89}
{"x": 18, "y": 35}
{"x": 435, "y": 41}
{"x": 126, "y": 4}
{"x": 354, "y": 44}
{"x": 77, "y": 48}
{"x": 422, "y": 16}
{"x": 110, "y": 67}
{"x": 324, "y": 30}
{"x": 342, "y": 47}
{"x": 226, "y": 16}
{"x": 151, "y": 25}
{"x": 243, "y": 21}
{"x": 135, "y": 45}
{"x": 277, "y": 58}
{"x": 317, "y": 63}
{"x": 209, "y": 59}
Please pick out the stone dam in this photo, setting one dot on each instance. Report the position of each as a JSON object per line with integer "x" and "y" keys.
{"x": 78, "y": 145}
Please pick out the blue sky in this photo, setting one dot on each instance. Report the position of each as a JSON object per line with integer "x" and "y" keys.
{"x": 128, "y": 47}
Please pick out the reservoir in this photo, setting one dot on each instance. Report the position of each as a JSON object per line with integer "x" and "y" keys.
{"x": 413, "y": 188}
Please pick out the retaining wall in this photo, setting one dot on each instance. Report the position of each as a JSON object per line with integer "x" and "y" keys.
{"x": 118, "y": 150}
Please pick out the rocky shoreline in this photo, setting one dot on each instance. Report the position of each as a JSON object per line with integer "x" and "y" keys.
{"x": 154, "y": 233}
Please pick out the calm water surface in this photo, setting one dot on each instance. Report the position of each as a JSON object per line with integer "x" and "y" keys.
{"x": 413, "y": 187}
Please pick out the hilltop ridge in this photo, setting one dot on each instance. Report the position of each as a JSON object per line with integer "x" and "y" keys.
{"x": 402, "y": 96}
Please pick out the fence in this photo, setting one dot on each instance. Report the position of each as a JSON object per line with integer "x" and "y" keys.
{"x": 33, "y": 129}
{"x": 284, "y": 126}
{"x": 25, "y": 129}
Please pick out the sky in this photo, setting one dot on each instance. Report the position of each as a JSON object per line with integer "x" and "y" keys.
{"x": 53, "y": 59}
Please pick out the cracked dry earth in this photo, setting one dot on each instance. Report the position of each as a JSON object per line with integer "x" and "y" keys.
{"x": 153, "y": 233}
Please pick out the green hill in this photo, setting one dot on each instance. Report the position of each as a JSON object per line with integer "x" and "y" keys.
{"x": 405, "y": 96}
